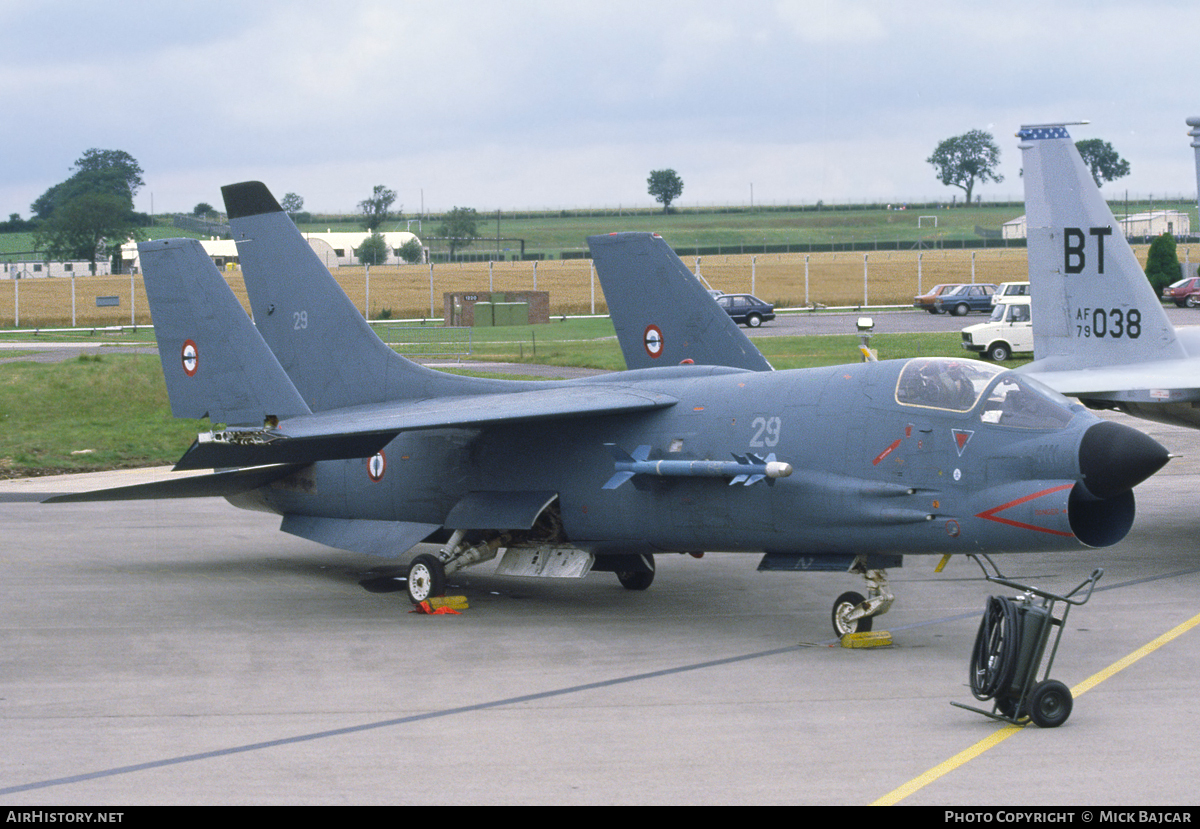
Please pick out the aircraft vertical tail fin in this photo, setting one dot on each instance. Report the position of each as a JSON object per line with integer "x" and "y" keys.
{"x": 214, "y": 361}
{"x": 662, "y": 314}
{"x": 320, "y": 338}
{"x": 1092, "y": 304}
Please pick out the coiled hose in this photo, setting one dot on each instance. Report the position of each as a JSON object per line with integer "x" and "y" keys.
{"x": 997, "y": 649}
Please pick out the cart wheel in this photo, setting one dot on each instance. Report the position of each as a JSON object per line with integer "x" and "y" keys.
{"x": 1050, "y": 703}
{"x": 844, "y": 604}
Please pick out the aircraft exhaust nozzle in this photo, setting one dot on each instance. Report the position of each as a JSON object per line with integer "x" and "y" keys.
{"x": 1115, "y": 458}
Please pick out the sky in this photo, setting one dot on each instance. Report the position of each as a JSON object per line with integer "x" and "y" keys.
{"x": 571, "y": 103}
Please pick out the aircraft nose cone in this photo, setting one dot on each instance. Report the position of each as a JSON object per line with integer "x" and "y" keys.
{"x": 1115, "y": 458}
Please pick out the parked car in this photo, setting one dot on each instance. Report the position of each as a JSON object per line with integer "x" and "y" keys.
{"x": 1010, "y": 289}
{"x": 746, "y": 309}
{"x": 1184, "y": 292}
{"x": 966, "y": 298}
{"x": 1009, "y": 330}
{"x": 926, "y": 301}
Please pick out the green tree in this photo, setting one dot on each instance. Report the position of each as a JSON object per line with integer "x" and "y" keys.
{"x": 1103, "y": 161}
{"x": 292, "y": 204}
{"x": 966, "y": 160}
{"x": 665, "y": 186}
{"x": 85, "y": 226}
{"x": 115, "y": 163}
{"x": 460, "y": 228}
{"x": 374, "y": 250}
{"x": 115, "y": 172}
{"x": 202, "y": 209}
{"x": 411, "y": 251}
{"x": 375, "y": 210}
{"x": 1162, "y": 263}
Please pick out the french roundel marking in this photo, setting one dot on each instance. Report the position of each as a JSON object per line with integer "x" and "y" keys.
{"x": 190, "y": 358}
{"x": 376, "y": 467}
{"x": 652, "y": 340}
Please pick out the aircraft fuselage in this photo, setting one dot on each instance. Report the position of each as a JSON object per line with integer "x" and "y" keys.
{"x": 870, "y": 473}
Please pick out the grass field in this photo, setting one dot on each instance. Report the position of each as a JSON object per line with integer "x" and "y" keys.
{"x": 96, "y": 413}
{"x": 734, "y": 229}
{"x": 740, "y": 230}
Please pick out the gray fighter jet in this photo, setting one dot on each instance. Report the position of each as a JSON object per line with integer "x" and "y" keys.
{"x": 841, "y": 468}
{"x": 1100, "y": 333}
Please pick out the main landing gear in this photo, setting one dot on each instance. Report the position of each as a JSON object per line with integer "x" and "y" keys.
{"x": 852, "y": 613}
{"x": 638, "y": 579}
{"x": 426, "y": 578}
{"x": 427, "y": 573}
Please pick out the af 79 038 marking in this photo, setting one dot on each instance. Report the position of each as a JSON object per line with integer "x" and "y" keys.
{"x": 1108, "y": 322}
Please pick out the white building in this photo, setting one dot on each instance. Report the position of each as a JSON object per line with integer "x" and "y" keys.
{"x": 1154, "y": 223}
{"x": 34, "y": 270}
{"x": 334, "y": 249}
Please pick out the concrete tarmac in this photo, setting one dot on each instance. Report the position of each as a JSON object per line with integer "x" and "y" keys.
{"x": 186, "y": 652}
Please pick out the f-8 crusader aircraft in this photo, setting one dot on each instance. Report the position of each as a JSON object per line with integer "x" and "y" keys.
{"x": 848, "y": 467}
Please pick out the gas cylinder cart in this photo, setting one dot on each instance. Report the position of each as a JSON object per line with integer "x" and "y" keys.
{"x": 1009, "y": 649}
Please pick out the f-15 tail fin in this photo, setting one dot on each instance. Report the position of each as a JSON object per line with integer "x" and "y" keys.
{"x": 214, "y": 361}
{"x": 321, "y": 340}
{"x": 663, "y": 315}
{"x": 1092, "y": 304}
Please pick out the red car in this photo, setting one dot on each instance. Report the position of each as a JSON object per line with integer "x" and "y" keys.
{"x": 1184, "y": 292}
{"x": 926, "y": 301}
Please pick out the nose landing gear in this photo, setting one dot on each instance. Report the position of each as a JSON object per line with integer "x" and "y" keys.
{"x": 852, "y": 613}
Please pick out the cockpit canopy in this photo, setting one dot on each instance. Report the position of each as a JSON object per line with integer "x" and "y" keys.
{"x": 959, "y": 386}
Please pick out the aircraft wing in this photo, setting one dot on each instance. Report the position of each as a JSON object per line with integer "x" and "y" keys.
{"x": 361, "y": 431}
{"x": 1158, "y": 382}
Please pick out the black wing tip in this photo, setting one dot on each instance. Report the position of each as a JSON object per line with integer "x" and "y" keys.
{"x": 248, "y": 198}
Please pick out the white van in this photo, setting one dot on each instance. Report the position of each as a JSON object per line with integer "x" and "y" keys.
{"x": 1009, "y": 290}
{"x": 1009, "y": 330}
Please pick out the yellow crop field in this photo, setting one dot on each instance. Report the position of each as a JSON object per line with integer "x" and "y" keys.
{"x": 831, "y": 279}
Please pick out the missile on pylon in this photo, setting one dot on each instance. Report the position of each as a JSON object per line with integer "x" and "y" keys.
{"x": 745, "y": 469}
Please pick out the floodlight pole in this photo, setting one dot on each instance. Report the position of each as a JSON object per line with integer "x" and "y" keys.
{"x": 1194, "y": 132}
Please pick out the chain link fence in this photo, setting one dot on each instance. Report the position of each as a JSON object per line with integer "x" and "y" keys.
{"x": 414, "y": 292}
